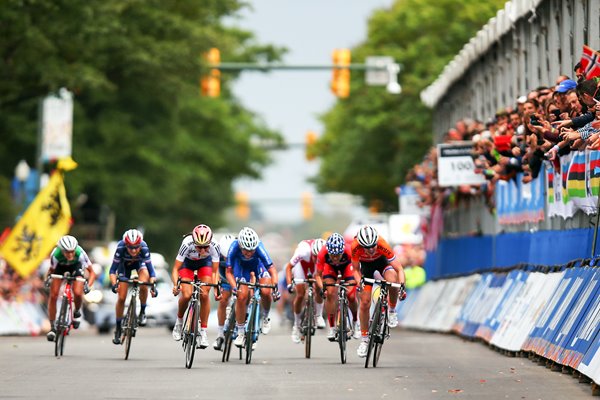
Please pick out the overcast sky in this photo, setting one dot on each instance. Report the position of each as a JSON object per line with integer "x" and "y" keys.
{"x": 290, "y": 101}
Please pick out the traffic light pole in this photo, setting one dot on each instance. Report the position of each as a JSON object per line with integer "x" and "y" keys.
{"x": 231, "y": 66}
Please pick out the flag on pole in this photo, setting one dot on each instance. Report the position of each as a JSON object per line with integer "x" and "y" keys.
{"x": 590, "y": 63}
{"x": 36, "y": 233}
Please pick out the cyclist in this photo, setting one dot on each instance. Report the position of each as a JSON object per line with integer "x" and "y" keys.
{"x": 197, "y": 253}
{"x": 370, "y": 254}
{"x": 132, "y": 253}
{"x": 68, "y": 256}
{"x": 334, "y": 260}
{"x": 224, "y": 245}
{"x": 248, "y": 256}
{"x": 300, "y": 265}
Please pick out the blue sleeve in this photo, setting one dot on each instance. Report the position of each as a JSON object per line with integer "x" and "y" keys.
{"x": 147, "y": 259}
{"x": 264, "y": 256}
{"x": 117, "y": 258}
{"x": 233, "y": 253}
{"x": 582, "y": 120}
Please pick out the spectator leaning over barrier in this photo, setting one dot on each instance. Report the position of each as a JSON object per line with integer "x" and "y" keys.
{"x": 581, "y": 127}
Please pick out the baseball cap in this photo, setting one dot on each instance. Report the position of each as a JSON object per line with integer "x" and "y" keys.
{"x": 566, "y": 85}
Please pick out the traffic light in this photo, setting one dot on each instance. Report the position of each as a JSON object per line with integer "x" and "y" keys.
{"x": 311, "y": 140}
{"x": 242, "y": 205}
{"x": 210, "y": 85}
{"x": 340, "y": 83}
{"x": 307, "y": 205}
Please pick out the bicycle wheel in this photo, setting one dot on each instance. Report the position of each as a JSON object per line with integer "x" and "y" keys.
{"x": 192, "y": 334}
{"x": 381, "y": 334}
{"x": 228, "y": 339}
{"x": 61, "y": 328}
{"x": 310, "y": 320}
{"x": 253, "y": 326}
{"x": 373, "y": 332}
{"x": 130, "y": 326}
{"x": 342, "y": 321}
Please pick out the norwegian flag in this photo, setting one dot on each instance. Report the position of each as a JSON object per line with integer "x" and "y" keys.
{"x": 590, "y": 63}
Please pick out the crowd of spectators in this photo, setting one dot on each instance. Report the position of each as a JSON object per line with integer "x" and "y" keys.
{"x": 548, "y": 122}
{"x": 14, "y": 287}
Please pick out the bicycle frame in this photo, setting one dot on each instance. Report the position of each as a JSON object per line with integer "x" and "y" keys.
{"x": 192, "y": 318}
{"x": 65, "y": 317}
{"x": 229, "y": 331}
{"x": 253, "y": 319}
{"x": 307, "y": 327}
{"x": 379, "y": 329}
{"x": 343, "y": 324}
{"x": 130, "y": 322}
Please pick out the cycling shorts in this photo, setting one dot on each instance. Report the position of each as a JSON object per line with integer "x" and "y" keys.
{"x": 73, "y": 269}
{"x": 368, "y": 268}
{"x": 124, "y": 270}
{"x": 202, "y": 265}
{"x": 330, "y": 274}
{"x": 242, "y": 271}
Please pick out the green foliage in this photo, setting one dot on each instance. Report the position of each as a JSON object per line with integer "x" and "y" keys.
{"x": 373, "y": 138}
{"x": 148, "y": 146}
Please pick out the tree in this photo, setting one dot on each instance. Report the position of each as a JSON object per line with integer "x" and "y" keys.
{"x": 148, "y": 146}
{"x": 373, "y": 138}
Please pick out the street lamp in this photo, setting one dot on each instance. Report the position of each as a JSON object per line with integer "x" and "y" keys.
{"x": 22, "y": 172}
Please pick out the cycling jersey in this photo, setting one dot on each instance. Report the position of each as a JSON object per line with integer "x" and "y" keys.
{"x": 330, "y": 269}
{"x": 60, "y": 264}
{"x": 123, "y": 262}
{"x": 302, "y": 261}
{"x": 378, "y": 261}
{"x": 259, "y": 262}
{"x": 193, "y": 260}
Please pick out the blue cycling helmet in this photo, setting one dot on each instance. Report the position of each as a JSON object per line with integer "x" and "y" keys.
{"x": 335, "y": 244}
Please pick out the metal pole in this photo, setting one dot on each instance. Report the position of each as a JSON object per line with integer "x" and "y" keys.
{"x": 596, "y": 227}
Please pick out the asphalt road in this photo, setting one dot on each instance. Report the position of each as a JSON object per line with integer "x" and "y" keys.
{"x": 413, "y": 366}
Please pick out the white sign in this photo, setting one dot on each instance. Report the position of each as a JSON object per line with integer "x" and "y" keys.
{"x": 57, "y": 126}
{"x": 455, "y": 165}
{"x": 378, "y": 77}
{"x": 405, "y": 229}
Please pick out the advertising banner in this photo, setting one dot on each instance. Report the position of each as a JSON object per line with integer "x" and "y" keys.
{"x": 455, "y": 165}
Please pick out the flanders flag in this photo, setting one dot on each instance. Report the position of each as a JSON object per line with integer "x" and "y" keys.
{"x": 35, "y": 235}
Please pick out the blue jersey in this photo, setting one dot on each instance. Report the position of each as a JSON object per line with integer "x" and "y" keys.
{"x": 123, "y": 262}
{"x": 258, "y": 263}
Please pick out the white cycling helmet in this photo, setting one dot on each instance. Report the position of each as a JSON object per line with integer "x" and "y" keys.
{"x": 225, "y": 243}
{"x": 316, "y": 246}
{"x": 248, "y": 239}
{"x": 67, "y": 243}
{"x": 132, "y": 238}
{"x": 367, "y": 236}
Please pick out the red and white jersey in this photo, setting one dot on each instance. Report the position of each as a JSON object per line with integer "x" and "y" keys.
{"x": 188, "y": 250}
{"x": 304, "y": 258}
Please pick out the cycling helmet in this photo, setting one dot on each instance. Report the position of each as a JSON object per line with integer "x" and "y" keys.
{"x": 335, "y": 244}
{"x": 248, "y": 239}
{"x": 67, "y": 243}
{"x": 132, "y": 238}
{"x": 225, "y": 243}
{"x": 367, "y": 236}
{"x": 316, "y": 246}
{"x": 202, "y": 235}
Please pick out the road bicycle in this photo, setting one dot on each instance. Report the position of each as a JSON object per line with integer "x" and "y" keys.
{"x": 307, "y": 326}
{"x": 191, "y": 320}
{"x": 65, "y": 316}
{"x": 229, "y": 330}
{"x": 343, "y": 321}
{"x": 253, "y": 319}
{"x": 379, "y": 330}
{"x": 130, "y": 322}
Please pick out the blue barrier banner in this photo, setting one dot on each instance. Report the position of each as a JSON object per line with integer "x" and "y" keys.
{"x": 512, "y": 287}
{"x": 581, "y": 325}
{"x": 479, "y": 304}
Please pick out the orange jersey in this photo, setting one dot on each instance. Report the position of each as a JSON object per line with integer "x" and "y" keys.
{"x": 383, "y": 249}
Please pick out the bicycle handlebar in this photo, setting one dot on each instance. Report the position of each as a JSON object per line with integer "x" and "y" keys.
{"x": 131, "y": 281}
{"x": 68, "y": 277}
{"x": 199, "y": 284}
{"x": 257, "y": 285}
{"x": 383, "y": 282}
{"x": 304, "y": 280}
